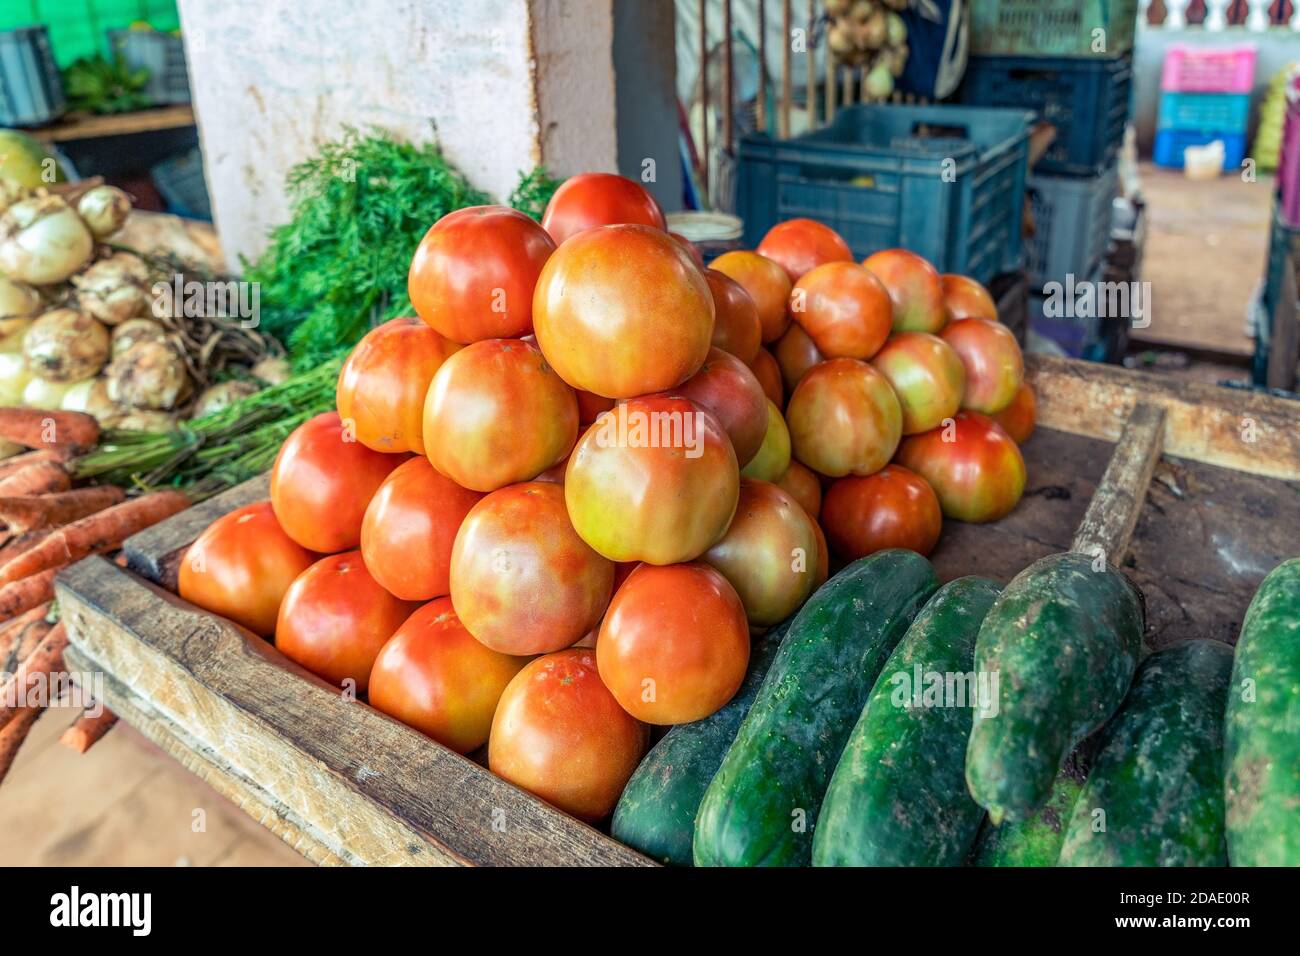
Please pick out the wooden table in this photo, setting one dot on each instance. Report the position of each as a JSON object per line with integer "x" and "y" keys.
{"x": 85, "y": 126}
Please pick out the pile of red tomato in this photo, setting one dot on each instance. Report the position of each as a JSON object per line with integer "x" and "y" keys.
{"x": 550, "y": 511}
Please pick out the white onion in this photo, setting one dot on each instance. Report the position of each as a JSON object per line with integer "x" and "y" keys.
{"x": 142, "y": 420}
{"x": 104, "y": 209}
{"x": 17, "y": 302}
{"x": 14, "y": 376}
{"x": 147, "y": 375}
{"x": 65, "y": 345}
{"x": 113, "y": 289}
{"x": 76, "y": 397}
{"x": 43, "y": 241}
{"x": 42, "y": 393}
{"x": 13, "y": 334}
{"x": 136, "y": 330}
{"x": 272, "y": 371}
{"x": 219, "y": 396}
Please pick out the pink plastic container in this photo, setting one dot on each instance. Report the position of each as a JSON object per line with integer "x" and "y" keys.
{"x": 1288, "y": 167}
{"x": 1212, "y": 69}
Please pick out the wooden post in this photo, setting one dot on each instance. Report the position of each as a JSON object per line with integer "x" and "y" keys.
{"x": 760, "y": 112}
{"x": 728, "y": 94}
{"x": 1112, "y": 514}
{"x": 830, "y": 82}
{"x": 810, "y": 96}
{"x": 786, "y": 27}
{"x": 704, "y": 96}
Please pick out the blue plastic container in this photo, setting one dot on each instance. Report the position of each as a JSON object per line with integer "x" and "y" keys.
{"x": 946, "y": 182}
{"x": 31, "y": 89}
{"x": 1092, "y": 337}
{"x": 1086, "y": 99}
{"x": 1198, "y": 111}
{"x": 1170, "y": 144}
{"x": 1071, "y": 225}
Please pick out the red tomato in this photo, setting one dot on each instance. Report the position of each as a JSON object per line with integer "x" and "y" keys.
{"x": 803, "y": 485}
{"x": 560, "y": 734}
{"x": 322, "y": 481}
{"x": 622, "y": 311}
{"x": 335, "y": 618}
{"x": 1018, "y": 418}
{"x": 409, "y": 528}
{"x": 735, "y": 323}
{"x": 473, "y": 273}
{"x": 768, "y": 373}
{"x": 769, "y": 554}
{"x": 691, "y": 248}
{"x": 801, "y": 245}
{"x": 240, "y": 567}
{"x": 522, "y": 580}
{"x": 995, "y": 369}
{"x": 915, "y": 287}
{"x": 725, "y": 386}
{"x": 599, "y": 199}
{"x": 928, "y": 378}
{"x": 654, "y": 480}
{"x": 432, "y": 675}
{"x": 894, "y": 508}
{"x": 590, "y": 406}
{"x": 964, "y": 298}
{"x": 972, "y": 464}
{"x": 844, "y": 419}
{"x": 773, "y": 457}
{"x": 674, "y": 646}
{"x": 795, "y": 354}
{"x": 823, "y": 557}
{"x": 845, "y": 310}
{"x": 497, "y": 413}
{"x": 767, "y": 284}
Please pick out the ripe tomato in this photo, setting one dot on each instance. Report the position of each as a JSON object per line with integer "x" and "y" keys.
{"x": 590, "y": 406}
{"x": 823, "y": 557}
{"x": 972, "y": 464}
{"x": 995, "y": 369}
{"x": 795, "y": 354}
{"x": 432, "y": 675}
{"x": 768, "y": 374}
{"x": 964, "y": 298}
{"x": 1018, "y": 418}
{"x": 769, "y": 554}
{"x": 497, "y": 413}
{"x": 335, "y": 618}
{"x": 599, "y": 199}
{"x": 522, "y": 580}
{"x": 735, "y": 319}
{"x": 845, "y": 310}
{"x": 844, "y": 418}
{"x": 622, "y": 311}
{"x": 915, "y": 287}
{"x": 801, "y": 245}
{"x": 725, "y": 386}
{"x": 801, "y": 484}
{"x": 384, "y": 380}
{"x": 409, "y": 528}
{"x": 473, "y": 273}
{"x": 654, "y": 480}
{"x": 322, "y": 481}
{"x": 773, "y": 456}
{"x": 928, "y": 378}
{"x": 691, "y": 248}
{"x": 674, "y": 646}
{"x": 767, "y": 284}
{"x": 560, "y": 734}
{"x": 240, "y": 567}
{"x": 894, "y": 508}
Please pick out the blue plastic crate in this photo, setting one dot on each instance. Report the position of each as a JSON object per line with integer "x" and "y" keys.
{"x": 181, "y": 183}
{"x": 1170, "y": 144}
{"x": 1071, "y": 224}
{"x": 31, "y": 89}
{"x": 946, "y": 182}
{"x": 163, "y": 55}
{"x": 1086, "y": 99}
{"x": 1052, "y": 27}
{"x": 1198, "y": 111}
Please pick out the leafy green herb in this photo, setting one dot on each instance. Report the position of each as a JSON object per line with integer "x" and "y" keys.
{"x": 96, "y": 84}
{"x": 534, "y": 191}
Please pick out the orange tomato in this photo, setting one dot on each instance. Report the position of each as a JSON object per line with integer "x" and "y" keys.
{"x": 409, "y": 528}
{"x": 803, "y": 485}
{"x": 559, "y": 733}
{"x": 1018, "y": 418}
{"x": 844, "y": 418}
{"x": 322, "y": 481}
{"x": 432, "y": 675}
{"x": 801, "y": 245}
{"x": 974, "y": 467}
{"x": 894, "y": 508}
{"x": 845, "y": 310}
{"x": 599, "y": 199}
{"x": 623, "y": 311}
{"x": 241, "y": 566}
{"x": 735, "y": 323}
{"x": 995, "y": 369}
{"x": 964, "y": 298}
{"x": 727, "y": 388}
{"x": 767, "y": 284}
{"x": 590, "y": 406}
{"x": 768, "y": 373}
{"x": 497, "y": 413}
{"x": 915, "y": 287}
{"x": 522, "y": 580}
{"x": 795, "y": 354}
{"x": 473, "y": 273}
{"x": 674, "y": 646}
{"x": 927, "y": 376}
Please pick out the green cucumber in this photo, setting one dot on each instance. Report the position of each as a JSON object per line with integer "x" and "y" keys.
{"x": 1065, "y": 640}
{"x": 1037, "y": 840}
{"x": 898, "y": 795}
{"x": 761, "y": 807}
{"x": 656, "y": 813}
{"x": 1154, "y": 796}
{"x": 1262, "y": 729}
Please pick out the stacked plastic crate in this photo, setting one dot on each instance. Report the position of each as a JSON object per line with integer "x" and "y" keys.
{"x": 1205, "y": 97}
{"x": 1071, "y": 62}
{"x": 1284, "y": 234}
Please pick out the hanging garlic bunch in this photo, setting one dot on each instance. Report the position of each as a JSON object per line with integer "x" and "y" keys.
{"x": 43, "y": 241}
{"x": 114, "y": 289}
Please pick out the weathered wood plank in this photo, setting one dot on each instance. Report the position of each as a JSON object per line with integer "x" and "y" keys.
{"x": 1284, "y": 341}
{"x": 1108, "y": 525}
{"x": 367, "y": 788}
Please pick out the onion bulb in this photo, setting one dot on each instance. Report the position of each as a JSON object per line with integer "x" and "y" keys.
{"x": 272, "y": 371}
{"x": 136, "y": 330}
{"x": 14, "y": 376}
{"x": 140, "y": 420}
{"x": 897, "y": 29}
{"x": 78, "y": 394}
{"x": 65, "y": 345}
{"x": 13, "y": 336}
{"x": 217, "y": 397}
{"x": 43, "y": 241}
{"x": 104, "y": 209}
{"x": 880, "y": 81}
{"x": 42, "y": 393}
{"x": 11, "y": 192}
{"x": 147, "y": 375}
{"x": 19, "y": 303}
{"x": 113, "y": 289}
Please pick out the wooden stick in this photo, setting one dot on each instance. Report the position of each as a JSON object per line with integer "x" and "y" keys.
{"x": 846, "y": 88}
{"x": 728, "y": 80}
{"x": 829, "y": 109}
{"x": 786, "y": 24}
{"x": 811, "y": 94}
{"x": 760, "y": 115}
{"x": 87, "y": 730}
{"x": 1113, "y": 512}
{"x": 704, "y": 96}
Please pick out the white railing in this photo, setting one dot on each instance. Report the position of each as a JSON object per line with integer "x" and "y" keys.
{"x": 1254, "y": 15}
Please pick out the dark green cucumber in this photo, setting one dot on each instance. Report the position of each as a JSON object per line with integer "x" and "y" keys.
{"x": 656, "y": 813}
{"x": 1155, "y": 793}
{"x": 1065, "y": 640}
{"x": 1262, "y": 729}
{"x": 1037, "y": 840}
{"x": 898, "y": 795}
{"x": 761, "y": 806}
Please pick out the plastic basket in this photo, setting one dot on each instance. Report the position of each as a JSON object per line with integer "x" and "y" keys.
{"x": 1094, "y": 337}
{"x": 1087, "y": 100}
{"x": 181, "y": 183}
{"x": 163, "y": 55}
{"x": 1071, "y": 225}
{"x": 1053, "y": 27}
{"x": 1213, "y": 69}
{"x": 1170, "y": 144}
{"x": 1288, "y": 169}
{"x": 1198, "y": 111}
{"x": 31, "y": 90}
{"x": 946, "y": 182}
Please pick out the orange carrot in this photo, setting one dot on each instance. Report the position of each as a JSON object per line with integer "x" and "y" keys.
{"x": 83, "y": 735}
{"x": 25, "y": 593}
{"x": 22, "y": 514}
{"x": 16, "y": 636}
{"x": 13, "y": 736}
{"x": 16, "y": 546}
{"x": 102, "y": 531}
{"x": 38, "y": 478}
{"x": 47, "y": 658}
{"x": 10, "y": 465}
{"x": 43, "y": 428}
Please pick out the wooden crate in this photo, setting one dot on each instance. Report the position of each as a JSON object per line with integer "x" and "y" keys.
{"x": 1197, "y": 529}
